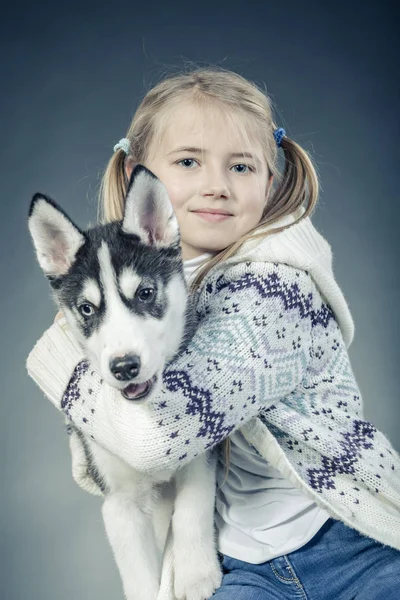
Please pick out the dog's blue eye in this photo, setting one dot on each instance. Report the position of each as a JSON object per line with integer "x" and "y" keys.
{"x": 145, "y": 295}
{"x": 86, "y": 309}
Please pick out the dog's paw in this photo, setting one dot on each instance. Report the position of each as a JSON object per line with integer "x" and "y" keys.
{"x": 198, "y": 580}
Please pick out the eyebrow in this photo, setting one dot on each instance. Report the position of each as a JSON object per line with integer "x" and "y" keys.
{"x": 193, "y": 150}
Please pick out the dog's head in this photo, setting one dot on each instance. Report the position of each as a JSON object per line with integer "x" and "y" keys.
{"x": 120, "y": 285}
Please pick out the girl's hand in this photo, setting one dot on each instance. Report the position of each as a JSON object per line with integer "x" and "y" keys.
{"x": 58, "y": 316}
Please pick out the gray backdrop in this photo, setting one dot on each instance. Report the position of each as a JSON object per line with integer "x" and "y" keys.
{"x": 70, "y": 81}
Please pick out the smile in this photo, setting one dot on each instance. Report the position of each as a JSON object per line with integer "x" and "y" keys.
{"x": 213, "y": 216}
{"x": 138, "y": 391}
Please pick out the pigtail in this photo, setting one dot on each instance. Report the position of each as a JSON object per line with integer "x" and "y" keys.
{"x": 113, "y": 189}
{"x": 298, "y": 185}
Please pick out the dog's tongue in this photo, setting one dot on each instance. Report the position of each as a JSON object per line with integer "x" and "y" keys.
{"x": 135, "y": 389}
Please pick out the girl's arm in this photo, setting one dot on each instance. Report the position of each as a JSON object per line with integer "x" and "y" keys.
{"x": 251, "y": 348}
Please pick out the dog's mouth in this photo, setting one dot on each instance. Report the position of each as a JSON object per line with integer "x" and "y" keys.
{"x": 138, "y": 391}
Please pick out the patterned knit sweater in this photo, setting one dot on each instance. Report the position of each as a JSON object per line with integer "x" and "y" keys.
{"x": 269, "y": 356}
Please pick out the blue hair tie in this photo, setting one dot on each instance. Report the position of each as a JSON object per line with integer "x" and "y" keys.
{"x": 123, "y": 144}
{"x": 278, "y": 135}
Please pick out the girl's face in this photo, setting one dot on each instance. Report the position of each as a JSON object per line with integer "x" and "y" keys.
{"x": 217, "y": 193}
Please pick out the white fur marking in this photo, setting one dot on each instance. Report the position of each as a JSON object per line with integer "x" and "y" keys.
{"x": 107, "y": 273}
{"x": 91, "y": 292}
{"x": 122, "y": 332}
{"x": 129, "y": 282}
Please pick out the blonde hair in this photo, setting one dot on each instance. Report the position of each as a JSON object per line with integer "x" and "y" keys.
{"x": 297, "y": 185}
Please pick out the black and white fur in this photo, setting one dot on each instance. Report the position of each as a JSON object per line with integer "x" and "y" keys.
{"x": 122, "y": 290}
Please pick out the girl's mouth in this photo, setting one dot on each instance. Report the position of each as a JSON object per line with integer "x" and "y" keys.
{"x": 212, "y": 217}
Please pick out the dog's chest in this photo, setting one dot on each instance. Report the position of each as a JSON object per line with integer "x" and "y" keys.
{"x": 119, "y": 476}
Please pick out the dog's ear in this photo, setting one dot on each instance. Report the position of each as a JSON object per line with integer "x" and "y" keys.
{"x": 148, "y": 210}
{"x": 55, "y": 237}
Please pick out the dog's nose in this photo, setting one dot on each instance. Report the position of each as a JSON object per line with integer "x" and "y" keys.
{"x": 125, "y": 368}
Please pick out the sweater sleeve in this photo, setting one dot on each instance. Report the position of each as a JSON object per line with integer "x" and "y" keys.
{"x": 250, "y": 350}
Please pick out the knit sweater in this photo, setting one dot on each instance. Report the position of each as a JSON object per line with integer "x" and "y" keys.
{"x": 269, "y": 357}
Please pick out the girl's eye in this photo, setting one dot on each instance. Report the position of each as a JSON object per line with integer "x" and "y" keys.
{"x": 145, "y": 295}
{"x": 191, "y": 161}
{"x": 86, "y": 309}
{"x": 245, "y": 167}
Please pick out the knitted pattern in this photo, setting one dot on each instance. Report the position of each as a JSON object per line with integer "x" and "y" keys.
{"x": 267, "y": 345}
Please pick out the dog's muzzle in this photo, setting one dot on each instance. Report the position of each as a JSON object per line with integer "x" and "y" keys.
{"x": 126, "y": 368}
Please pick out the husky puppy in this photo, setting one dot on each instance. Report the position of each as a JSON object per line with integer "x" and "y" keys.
{"x": 122, "y": 290}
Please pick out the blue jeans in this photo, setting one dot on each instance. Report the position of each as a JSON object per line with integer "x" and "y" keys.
{"x": 337, "y": 564}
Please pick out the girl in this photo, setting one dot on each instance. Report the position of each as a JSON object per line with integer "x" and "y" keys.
{"x": 308, "y": 497}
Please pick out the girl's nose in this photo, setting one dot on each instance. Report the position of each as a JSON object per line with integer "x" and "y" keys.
{"x": 217, "y": 191}
{"x": 215, "y": 185}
